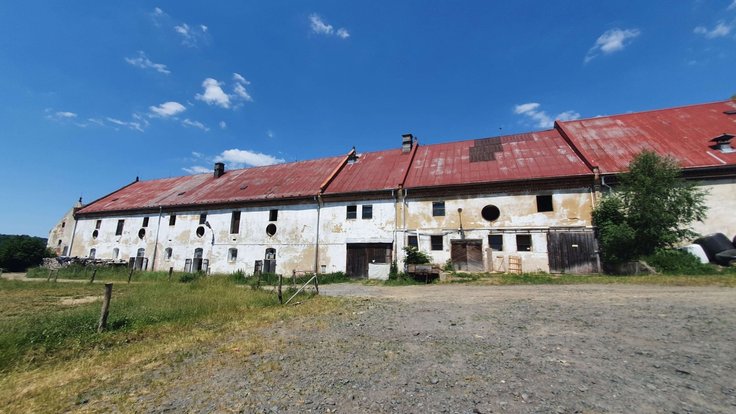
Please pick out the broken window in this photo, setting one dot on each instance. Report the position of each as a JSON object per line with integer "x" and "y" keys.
{"x": 232, "y": 254}
{"x": 273, "y": 215}
{"x": 63, "y": 224}
{"x": 202, "y": 218}
{"x": 235, "y": 223}
{"x": 92, "y": 253}
{"x": 544, "y": 203}
{"x": 119, "y": 229}
{"x": 438, "y": 208}
{"x": 437, "y": 243}
{"x": 523, "y": 242}
{"x": 98, "y": 224}
{"x": 352, "y": 212}
{"x": 172, "y": 219}
{"x": 413, "y": 242}
{"x": 367, "y": 211}
{"x": 495, "y": 241}
{"x": 168, "y": 253}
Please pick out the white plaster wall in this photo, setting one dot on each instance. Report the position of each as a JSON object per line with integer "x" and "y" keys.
{"x": 721, "y": 202}
{"x": 61, "y": 234}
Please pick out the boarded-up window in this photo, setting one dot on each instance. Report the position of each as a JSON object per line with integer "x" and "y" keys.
{"x": 367, "y": 211}
{"x": 352, "y": 212}
{"x": 235, "y": 223}
{"x": 119, "y": 229}
{"x": 412, "y": 241}
{"x": 523, "y": 242}
{"x": 438, "y": 208}
{"x": 495, "y": 241}
{"x": 437, "y": 243}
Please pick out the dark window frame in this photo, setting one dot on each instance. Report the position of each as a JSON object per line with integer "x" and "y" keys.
{"x": 544, "y": 203}
{"x": 202, "y": 218}
{"x": 145, "y": 222}
{"x": 523, "y": 246}
{"x": 119, "y": 228}
{"x": 366, "y": 211}
{"x": 172, "y": 220}
{"x": 235, "y": 222}
{"x": 351, "y": 212}
{"x": 437, "y": 242}
{"x": 413, "y": 241}
{"x": 492, "y": 245}
{"x": 273, "y": 215}
{"x": 98, "y": 224}
{"x": 438, "y": 209}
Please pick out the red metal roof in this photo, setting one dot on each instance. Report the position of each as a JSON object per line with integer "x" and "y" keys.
{"x": 533, "y": 155}
{"x": 372, "y": 171}
{"x": 610, "y": 142}
{"x": 281, "y": 181}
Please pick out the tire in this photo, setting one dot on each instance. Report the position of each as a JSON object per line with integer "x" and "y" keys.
{"x": 714, "y": 244}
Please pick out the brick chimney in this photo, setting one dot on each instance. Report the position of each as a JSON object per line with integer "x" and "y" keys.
{"x": 407, "y": 141}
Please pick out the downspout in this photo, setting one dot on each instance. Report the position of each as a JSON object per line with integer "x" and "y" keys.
{"x": 155, "y": 243}
{"x": 317, "y": 198}
{"x": 395, "y": 197}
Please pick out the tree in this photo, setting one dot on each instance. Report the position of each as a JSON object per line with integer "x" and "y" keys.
{"x": 651, "y": 209}
{"x": 414, "y": 256}
{"x": 17, "y": 253}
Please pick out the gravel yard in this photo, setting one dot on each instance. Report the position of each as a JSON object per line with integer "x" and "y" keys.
{"x": 467, "y": 349}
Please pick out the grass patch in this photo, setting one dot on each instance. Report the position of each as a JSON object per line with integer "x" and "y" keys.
{"x": 272, "y": 279}
{"x": 726, "y": 278}
{"x": 106, "y": 273}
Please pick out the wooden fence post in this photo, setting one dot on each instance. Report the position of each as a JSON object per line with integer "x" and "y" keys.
{"x": 293, "y": 278}
{"x": 130, "y": 275}
{"x": 316, "y": 283}
{"x": 102, "y": 324}
{"x": 94, "y": 273}
{"x": 171, "y": 270}
{"x": 281, "y": 298}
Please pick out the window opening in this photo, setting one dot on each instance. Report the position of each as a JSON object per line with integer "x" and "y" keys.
{"x": 119, "y": 229}
{"x": 116, "y": 253}
{"x": 63, "y": 224}
{"x": 98, "y": 224}
{"x": 232, "y": 255}
{"x": 490, "y": 213}
{"x": 271, "y": 229}
{"x": 367, "y": 211}
{"x": 544, "y": 203}
{"x": 168, "y": 253}
{"x": 438, "y": 208}
{"x": 141, "y": 233}
{"x": 202, "y": 218}
{"x": 92, "y": 253}
{"x": 437, "y": 243}
{"x": 523, "y": 242}
{"x": 273, "y": 215}
{"x": 413, "y": 242}
{"x": 200, "y": 231}
{"x": 495, "y": 241}
{"x": 95, "y": 233}
{"x": 235, "y": 222}
{"x": 145, "y": 222}
{"x": 352, "y": 212}
{"x": 172, "y": 219}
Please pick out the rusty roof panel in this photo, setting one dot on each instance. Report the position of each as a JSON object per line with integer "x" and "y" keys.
{"x": 372, "y": 171}
{"x": 534, "y": 155}
{"x": 281, "y": 181}
{"x": 685, "y": 133}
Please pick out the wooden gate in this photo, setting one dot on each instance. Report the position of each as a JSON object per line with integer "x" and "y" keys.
{"x": 359, "y": 255}
{"x": 572, "y": 252}
{"x": 467, "y": 255}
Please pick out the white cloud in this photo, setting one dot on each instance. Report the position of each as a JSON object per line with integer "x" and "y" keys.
{"x": 59, "y": 116}
{"x": 213, "y": 94}
{"x": 613, "y": 40}
{"x": 196, "y": 154}
{"x": 236, "y": 158}
{"x": 195, "y": 124}
{"x": 540, "y": 118}
{"x": 241, "y": 92}
{"x": 197, "y": 169}
{"x": 239, "y": 78}
{"x": 136, "y": 125}
{"x": 732, "y": 6}
{"x": 222, "y": 125}
{"x": 270, "y": 134}
{"x": 319, "y": 26}
{"x": 720, "y": 30}
{"x": 65, "y": 114}
{"x": 167, "y": 109}
{"x": 143, "y": 62}
{"x": 191, "y": 36}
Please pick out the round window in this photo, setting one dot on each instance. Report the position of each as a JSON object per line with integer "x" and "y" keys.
{"x": 200, "y": 231}
{"x": 490, "y": 212}
{"x": 271, "y": 229}
{"x": 141, "y": 233}
{"x": 95, "y": 234}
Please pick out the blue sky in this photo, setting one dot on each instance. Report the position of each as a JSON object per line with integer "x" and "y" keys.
{"x": 97, "y": 93}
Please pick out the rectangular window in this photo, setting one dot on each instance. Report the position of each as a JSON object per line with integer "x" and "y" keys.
{"x": 495, "y": 241}
{"x": 544, "y": 203}
{"x": 119, "y": 229}
{"x": 235, "y": 223}
{"x": 438, "y": 208}
{"x": 413, "y": 242}
{"x": 145, "y": 222}
{"x": 437, "y": 243}
{"x": 523, "y": 242}
{"x": 273, "y": 215}
{"x": 172, "y": 219}
{"x": 232, "y": 255}
{"x": 98, "y": 224}
{"x": 367, "y": 211}
{"x": 352, "y": 212}
{"x": 202, "y": 218}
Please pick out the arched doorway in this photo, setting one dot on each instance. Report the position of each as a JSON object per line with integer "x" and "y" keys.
{"x": 197, "y": 262}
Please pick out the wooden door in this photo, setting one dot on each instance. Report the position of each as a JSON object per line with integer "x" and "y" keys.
{"x": 572, "y": 252}
{"x": 467, "y": 255}
{"x": 359, "y": 255}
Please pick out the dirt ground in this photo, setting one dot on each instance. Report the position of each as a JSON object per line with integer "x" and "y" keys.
{"x": 467, "y": 349}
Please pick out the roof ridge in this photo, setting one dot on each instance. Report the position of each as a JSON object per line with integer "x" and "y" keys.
{"x": 646, "y": 111}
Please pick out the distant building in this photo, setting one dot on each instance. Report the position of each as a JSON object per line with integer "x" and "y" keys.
{"x": 478, "y": 204}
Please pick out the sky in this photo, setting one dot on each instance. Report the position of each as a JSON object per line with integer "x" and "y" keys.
{"x": 95, "y": 94}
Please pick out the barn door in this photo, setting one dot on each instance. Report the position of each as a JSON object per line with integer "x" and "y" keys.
{"x": 359, "y": 255}
{"x": 572, "y": 252}
{"x": 467, "y": 255}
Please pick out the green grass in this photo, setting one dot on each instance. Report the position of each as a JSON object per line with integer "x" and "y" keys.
{"x": 726, "y": 277}
{"x": 106, "y": 273}
{"x": 37, "y": 327}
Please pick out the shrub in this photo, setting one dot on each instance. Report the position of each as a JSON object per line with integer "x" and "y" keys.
{"x": 678, "y": 262}
{"x": 414, "y": 256}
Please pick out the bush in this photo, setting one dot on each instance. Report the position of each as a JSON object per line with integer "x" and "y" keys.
{"x": 414, "y": 256}
{"x": 678, "y": 262}
{"x": 17, "y": 253}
